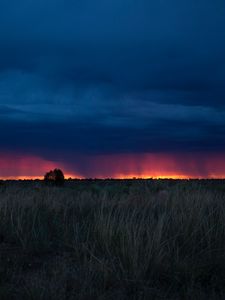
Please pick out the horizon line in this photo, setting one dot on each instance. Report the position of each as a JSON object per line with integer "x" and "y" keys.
{"x": 29, "y": 178}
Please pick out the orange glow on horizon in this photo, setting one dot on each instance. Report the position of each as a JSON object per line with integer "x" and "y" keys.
{"x": 29, "y": 167}
{"x": 159, "y": 165}
{"x": 146, "y": 176}
{"x": 67, "y": 176}
{"x": 118, "y": 166}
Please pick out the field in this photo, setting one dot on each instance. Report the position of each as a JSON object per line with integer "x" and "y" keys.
{"x": 112, "y": 239}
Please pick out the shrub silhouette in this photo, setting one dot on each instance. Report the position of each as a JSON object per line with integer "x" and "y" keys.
{"x": 55, "y": 177}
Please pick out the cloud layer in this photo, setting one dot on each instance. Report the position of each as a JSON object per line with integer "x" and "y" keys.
{"x": 111, "y": 77}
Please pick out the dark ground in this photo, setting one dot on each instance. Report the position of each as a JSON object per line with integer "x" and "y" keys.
{"x": 112, "y": 239}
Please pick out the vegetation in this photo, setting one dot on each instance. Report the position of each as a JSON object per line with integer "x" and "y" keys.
{"x": 112, "y": 239}
{"x": 55, "y": 177}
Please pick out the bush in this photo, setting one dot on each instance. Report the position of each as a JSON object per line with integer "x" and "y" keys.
{"x": 55, "y": 177}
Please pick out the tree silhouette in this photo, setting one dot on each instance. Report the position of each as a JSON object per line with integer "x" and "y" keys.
{"x": 55, "y": 177}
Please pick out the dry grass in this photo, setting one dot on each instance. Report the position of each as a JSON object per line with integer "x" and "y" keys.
{"x": 141, "y": 239}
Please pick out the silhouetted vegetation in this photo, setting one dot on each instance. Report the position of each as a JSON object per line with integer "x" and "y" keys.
{"x": 112, "y": 239}
{"x": 55, "y": 177}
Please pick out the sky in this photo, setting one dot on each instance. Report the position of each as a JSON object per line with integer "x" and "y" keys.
{"x": 112, "y": 88}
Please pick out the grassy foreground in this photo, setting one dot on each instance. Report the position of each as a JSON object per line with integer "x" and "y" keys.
{"x": 112, "y": 239}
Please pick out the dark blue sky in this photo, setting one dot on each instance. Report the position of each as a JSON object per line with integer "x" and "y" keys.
{"x": 91, "y": 78}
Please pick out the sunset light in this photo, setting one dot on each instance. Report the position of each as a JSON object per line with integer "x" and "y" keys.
{"x": 121, "y": 166}
{"x": 112, "y": 149}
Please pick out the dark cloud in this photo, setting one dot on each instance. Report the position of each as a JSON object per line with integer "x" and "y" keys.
{"x": 100, "y": 77}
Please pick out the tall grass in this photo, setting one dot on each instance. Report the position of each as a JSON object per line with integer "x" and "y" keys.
{"x": 112, "y": 240}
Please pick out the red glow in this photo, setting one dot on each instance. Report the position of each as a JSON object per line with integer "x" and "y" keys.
{"x": 150, "y": 165}
{"x": 159, "y": 165}
{"x": 29, "y": 167}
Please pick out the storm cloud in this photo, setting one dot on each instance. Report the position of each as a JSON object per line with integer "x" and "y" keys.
{"x": 87, "y": 78}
